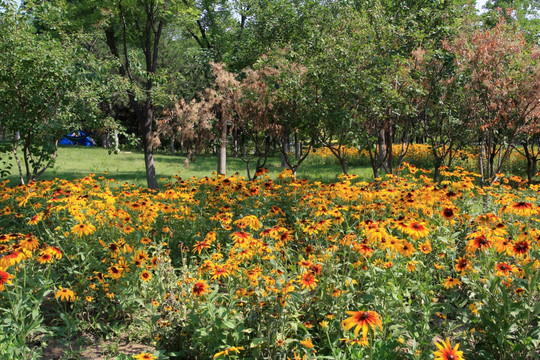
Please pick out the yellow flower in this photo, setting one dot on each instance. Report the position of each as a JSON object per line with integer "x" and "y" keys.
{"x": 115, "y": 272}
{"x": 363, "y": 342}
{"x": 29, "y": 243}
{"x": 362, "y": 320}
{"x": 229, "y": 350}
{"x": 65, "y": 294}
{"x": 451, "y": 282}
{"x": 521, "y": 208}
{"x": 425, "y": 247}
{"x": 411, "y": 265}
{"x": 83, "y": 229}
{"x": 417, "y": 230}
{"x": 144, "y": 356}
{"x": 446, "y": 352}
{"x": 249, "y": 220}
{"x": 474, "y": 308}
{"x": 323, "y": 324}
{"x": 146, "y": 276}
{"x": 307, "y": 280}
{"x": 4, "y": 279}
{"x": 307, "y": 343}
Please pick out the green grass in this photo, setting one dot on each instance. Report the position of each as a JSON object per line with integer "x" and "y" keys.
{"x": 77, "y": 162}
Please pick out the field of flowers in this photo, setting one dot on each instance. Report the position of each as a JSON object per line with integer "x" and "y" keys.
{"x": 401, "y": 268}
{"x": 419, "y": 155}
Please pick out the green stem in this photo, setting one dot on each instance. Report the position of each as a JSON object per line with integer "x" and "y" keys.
{"x": 330, "y": 344}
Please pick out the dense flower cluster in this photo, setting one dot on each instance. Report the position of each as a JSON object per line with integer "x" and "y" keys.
{"x": 419, "y": 155}
{"x": 285, "y": 268}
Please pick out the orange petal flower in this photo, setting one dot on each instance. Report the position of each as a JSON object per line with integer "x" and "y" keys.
{"x": 446, "y": 352}
{"x": 362, "y": 320}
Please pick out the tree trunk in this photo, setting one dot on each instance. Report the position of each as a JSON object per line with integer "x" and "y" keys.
{"x": 17, "y": 160}
{"x": 146, "y": 123}
{"x": 297, "y": 146}
{"x": 106, "y": 140}
{"x": 222, "y": 154}
{"x": 285, "y": 142}
{"x": 236, "y": 146}
{"x": 343, "y": 163}
{"x": 389, "y": 139}
{"x": 481, "y": 164}
{"x": 531, "y": 161}
{"x": 171, "y": 146}
{"x": 116, "y": 141}
{"x": 437, "y": 168}
{"x": 372, "y": 157}
{"x": 531, "y": 168}
{"x": 383, "y": 157}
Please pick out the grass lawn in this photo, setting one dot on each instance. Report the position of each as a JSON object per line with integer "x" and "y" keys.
{"x": 77, "y": 162}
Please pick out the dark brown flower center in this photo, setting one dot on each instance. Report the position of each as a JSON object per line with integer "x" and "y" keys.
{"x": 482, "y": 240}
{"x": 364, "y": 315}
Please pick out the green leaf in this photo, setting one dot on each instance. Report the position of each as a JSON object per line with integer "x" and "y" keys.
{"x": 256, "y": 342}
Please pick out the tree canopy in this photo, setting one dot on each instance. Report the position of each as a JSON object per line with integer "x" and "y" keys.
{"x": 375, "y": 75}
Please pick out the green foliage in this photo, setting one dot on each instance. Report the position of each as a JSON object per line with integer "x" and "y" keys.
{"x": 49, "y": 85}
{"x": 526, "y": 13}
{"x": 215, "y": 264}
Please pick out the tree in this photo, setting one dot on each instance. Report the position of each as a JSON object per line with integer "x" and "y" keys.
{"x": 190, "y": 122}
{"x": 502, "y": 73}
{"x": 530, "y": 148}
{"x": 291, "y": 109}
{"x": 133, "y": 32}
{"x": 526, "y": 13}
{"x": 372, "y": 46}
{"x": 184, "y": 68}
{"x": 333, "y": 60}
{"x": 48, "y": 86}
{"x": 442, "y": 116}
{"x": 212, "y": 113}
{"x": 255, "y": 118}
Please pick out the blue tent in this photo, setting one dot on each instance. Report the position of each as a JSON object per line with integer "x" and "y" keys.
{"x": 77, "y": 138}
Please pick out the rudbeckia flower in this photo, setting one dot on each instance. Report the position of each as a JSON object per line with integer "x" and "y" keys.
{"x": 446, "y": 352}
{"x": 144, "y": 356}
{"x": 45, "y": 257}
{"x": 83, "y": 229}
{"x": 146, "y": 276}
{"x": 363, "y": 342}
{"x": 362, "y": 320}
{"x": 521, "y": 208}
{"x": 448, "y": 213}
{"x": 463, "y": 264}
{"x": 228, "y": 350}
{"x": 29, "y": 243}
{"x": 5, "y": 279}
{"x": 308, "y": 280}
{"x": 406, "y": 249}
{"x": 520, "y": 248}
{"x": 504, "y": 269}
{"x": 65, "y": 294}
{"x": 417, "y": 230}
{"x": 200, "y": 288}
{"x": 307, "y": 343}
{"x": 451, "y": 282}
{"x": 425, "y": 247}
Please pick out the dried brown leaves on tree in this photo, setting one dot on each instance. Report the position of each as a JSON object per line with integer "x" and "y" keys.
{"x": 502, "y": 89}
{"x": 228, "y": 105}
